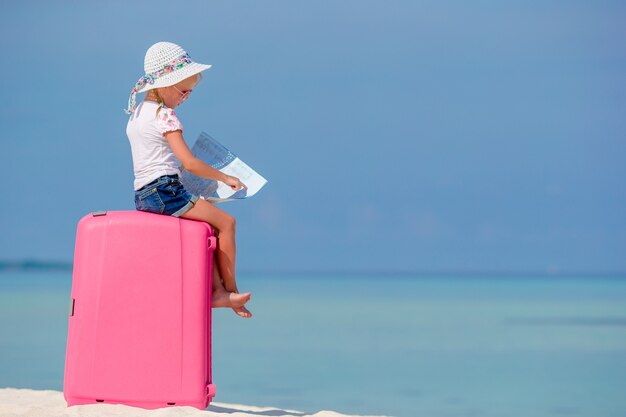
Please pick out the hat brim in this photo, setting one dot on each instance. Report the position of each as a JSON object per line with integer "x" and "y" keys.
{"x": 176, "y": 76}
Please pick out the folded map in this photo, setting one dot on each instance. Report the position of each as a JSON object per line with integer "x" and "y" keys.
{"x": 213, "y": 153}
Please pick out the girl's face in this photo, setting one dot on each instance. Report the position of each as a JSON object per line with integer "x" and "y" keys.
{"x": 173, "y": 96}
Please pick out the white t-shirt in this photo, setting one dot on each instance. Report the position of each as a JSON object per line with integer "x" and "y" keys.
{"x": 152, "y": 154}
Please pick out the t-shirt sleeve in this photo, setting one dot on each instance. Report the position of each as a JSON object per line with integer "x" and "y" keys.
{"x": 167, "y": 121}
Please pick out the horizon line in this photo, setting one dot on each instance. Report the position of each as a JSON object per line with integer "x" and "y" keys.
{"x": 34, "y": 264}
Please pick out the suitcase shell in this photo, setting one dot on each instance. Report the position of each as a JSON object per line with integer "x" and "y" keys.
{"x": 140, "y": 315}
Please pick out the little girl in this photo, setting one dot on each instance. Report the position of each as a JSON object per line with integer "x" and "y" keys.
{"x": 157, "y": 144}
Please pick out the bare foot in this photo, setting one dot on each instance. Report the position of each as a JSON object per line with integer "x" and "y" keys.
{"x": 243, "y": 312}
{"x": 240, "y": 310}
{"x": 234, "y": 300}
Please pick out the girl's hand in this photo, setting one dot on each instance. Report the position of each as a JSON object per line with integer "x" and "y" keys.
{"x": 234, "y": 183}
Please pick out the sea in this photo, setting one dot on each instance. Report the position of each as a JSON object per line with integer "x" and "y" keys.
{"x": 377, "y": 344}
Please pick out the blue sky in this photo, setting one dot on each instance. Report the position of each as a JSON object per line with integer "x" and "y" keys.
{"x": 395, "y": 135}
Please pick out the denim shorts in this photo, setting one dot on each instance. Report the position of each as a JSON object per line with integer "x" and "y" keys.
{"x": 165, "y": 195}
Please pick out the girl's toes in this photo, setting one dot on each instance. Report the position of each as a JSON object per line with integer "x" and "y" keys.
{"x": 242, "y": 311}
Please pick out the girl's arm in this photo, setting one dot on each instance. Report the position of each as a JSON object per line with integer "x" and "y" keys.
{"x": 196, "y": 166}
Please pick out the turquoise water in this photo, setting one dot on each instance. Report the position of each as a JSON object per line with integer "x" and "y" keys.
{"x": 395, "y": 345}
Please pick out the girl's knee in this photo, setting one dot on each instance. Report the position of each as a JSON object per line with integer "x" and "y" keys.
{"x": 230, "y": 222}
{"x": 227, "y": 223}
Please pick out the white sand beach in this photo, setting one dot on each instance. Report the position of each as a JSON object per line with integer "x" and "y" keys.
{"x": 49, "y": 403}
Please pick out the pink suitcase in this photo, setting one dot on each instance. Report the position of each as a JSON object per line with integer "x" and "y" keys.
{"x": 140, "y": 311}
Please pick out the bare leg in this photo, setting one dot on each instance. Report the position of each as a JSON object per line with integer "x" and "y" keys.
{"x": 225, "y": 254}
{"x": 223, "y": 298}
{"x": 225, "y": 251}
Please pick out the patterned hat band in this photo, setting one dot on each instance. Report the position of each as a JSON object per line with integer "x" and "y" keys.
{"x": 150, "y": 78}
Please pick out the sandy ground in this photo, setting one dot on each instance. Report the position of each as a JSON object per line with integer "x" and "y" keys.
{"x": 47, "y": 403}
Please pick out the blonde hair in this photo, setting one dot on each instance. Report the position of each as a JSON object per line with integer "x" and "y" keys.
{"x": 155, "y": 96}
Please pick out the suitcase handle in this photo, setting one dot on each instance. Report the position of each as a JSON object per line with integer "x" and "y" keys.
{"x": 212, "y": 242}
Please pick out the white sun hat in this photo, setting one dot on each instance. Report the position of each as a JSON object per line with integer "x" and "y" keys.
{"x": 165, "y": 64}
